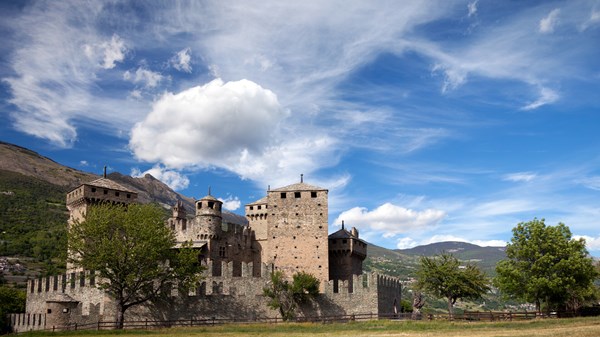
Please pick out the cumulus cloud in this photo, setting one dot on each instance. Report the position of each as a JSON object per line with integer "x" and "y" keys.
{"x": 217, "y": 124}
{"x": 390, "y": 219}
{"x": 182, "y": 60}
{"x": 591, "y": 243}
{"x": 148, "y": 78}
{"x": 520, "y": 177}
{"x": 107, "y": 53}
{"x": 548, "y": 23}
{"x": 173, "y": 179}
{"x": 231, "y": 203}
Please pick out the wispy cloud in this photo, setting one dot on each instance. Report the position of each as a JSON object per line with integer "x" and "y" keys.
{"x": 472, "y": 8}
{"x": 520, "y": 176}
{"x": 548, "y": 23}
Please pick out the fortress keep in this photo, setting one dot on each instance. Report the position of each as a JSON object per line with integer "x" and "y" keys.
{"x": 286, "y": 230}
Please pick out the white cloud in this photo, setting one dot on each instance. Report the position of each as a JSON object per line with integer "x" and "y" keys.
{"x": 182, "y": 60}
{"x": 591, "y": 243}
{"x": 593, "y": 20}
{"x": 390, "y": 219}
{"x": 83, "y": 163}
{"x": 406, "y": 242}
{"x": 231, "y": 203}
{"x": 501, "y": 207}
{"x": 173, "y": 179}
{"x": 218, "y": 124}
{"x": 149, "y": 78}
{"x": 520, "y": 177}
{"x": 547, "y": 96}
{"x": 472, "y": 8}
{"x": 548, "y": 23}
{"x": 107, "y": 53}
{"x": 591, "y": 182}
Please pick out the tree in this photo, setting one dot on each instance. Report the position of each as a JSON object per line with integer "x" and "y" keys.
{"x": 444, "y": 276}
{"x": 131, "y": 250}
{"x": 286, "y": 297}
{"x": 545, "y": 265}
{"x": 12, "y": 301}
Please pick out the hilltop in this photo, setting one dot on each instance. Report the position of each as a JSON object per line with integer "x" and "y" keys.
{"x": 33, "y": 214}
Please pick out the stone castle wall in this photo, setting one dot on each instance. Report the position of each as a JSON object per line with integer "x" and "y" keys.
{"x": 74, "y": 299}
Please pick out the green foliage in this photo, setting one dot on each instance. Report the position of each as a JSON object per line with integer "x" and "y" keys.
{"x": 33, "y": 219}
{"x": 12, "y": 301}
{"x": 545, "y": 265}
{"x": 286, "y": 297}
{"x": 131, "y": 249}
{"x": 444, "y": 276}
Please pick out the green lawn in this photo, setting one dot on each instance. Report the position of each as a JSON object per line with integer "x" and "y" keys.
{"x": 581, "y": 327}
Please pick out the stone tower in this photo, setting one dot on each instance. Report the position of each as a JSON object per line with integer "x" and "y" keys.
{"x": 346, "y": 254}
{"x": 294, "y": 221}
{"x": 98, "y": 191}
{"x": 178, "y": 222}
{"x": 209, "y": 218}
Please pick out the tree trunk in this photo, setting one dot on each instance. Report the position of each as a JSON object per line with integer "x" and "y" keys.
{"x": 120, "y": 315}
{"x": 450, "y": 308}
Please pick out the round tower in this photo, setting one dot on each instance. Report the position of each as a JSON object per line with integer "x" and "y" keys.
{"x": 208, "y": 217}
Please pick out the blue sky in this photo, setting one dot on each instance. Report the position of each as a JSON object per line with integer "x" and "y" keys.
{"x": 427, "y": 120}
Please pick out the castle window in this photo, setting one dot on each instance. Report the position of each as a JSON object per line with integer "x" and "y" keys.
{"x": 344, "y": 241}
{"x": 222, "y": 251}
{"x": 297, "y": 195}
{"x": 199, "y": 205}
{"x": 93, "y": 190}
{"x": 211, "y": 204}
{"x": 116, "y": 194}
{"x": 183, "y": 225}
{"x": 105, "y": 191}
{"x": 251, "y": 208}
{"x": 258, "y": 207}
{"x": 283, "y": 196}
{"x": 49, "y": 311}
{"x": 313, "y": 194}
{"x": 319, "y": 205}
{"x": 128, "y": 195}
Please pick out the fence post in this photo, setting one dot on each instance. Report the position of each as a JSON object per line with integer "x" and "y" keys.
{"x": 98, "y": 326}
{"x": 75, "y": 326}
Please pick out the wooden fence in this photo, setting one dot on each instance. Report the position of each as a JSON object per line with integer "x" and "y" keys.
{"x": 156, "y": 324}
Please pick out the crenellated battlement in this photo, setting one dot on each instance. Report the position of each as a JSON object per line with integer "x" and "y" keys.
{"x": 64, "y": 283}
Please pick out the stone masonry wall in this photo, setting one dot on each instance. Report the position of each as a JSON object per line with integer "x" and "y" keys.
{"x": 225, "y": 297}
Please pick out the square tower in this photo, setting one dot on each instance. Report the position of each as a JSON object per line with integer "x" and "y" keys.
{"x": 297, "y": 221}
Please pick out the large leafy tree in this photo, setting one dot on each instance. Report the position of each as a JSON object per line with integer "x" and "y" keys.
{"x": 546, "y": 265}
{"x": 286, "y": 297}
{"x": 444, "y": 276}
{"x": 131, "y": 250}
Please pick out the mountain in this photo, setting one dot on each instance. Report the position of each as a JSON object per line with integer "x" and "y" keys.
{"x": 33, "y": 214}
{"x": 404, "y": 262}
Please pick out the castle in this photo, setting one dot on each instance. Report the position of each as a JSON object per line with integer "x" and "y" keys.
{"x": 286, "y": 230}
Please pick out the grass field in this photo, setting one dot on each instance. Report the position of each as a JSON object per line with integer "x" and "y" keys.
{"x": 580, "y": 327}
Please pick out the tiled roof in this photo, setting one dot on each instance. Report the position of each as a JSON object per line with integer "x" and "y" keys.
{"x": 107, "y": 183}
{"x": 210, "y": 197}
{"x": 299, "y": 187}
{"x": 341, "y": 234}
{"x": 263, "y": 200}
